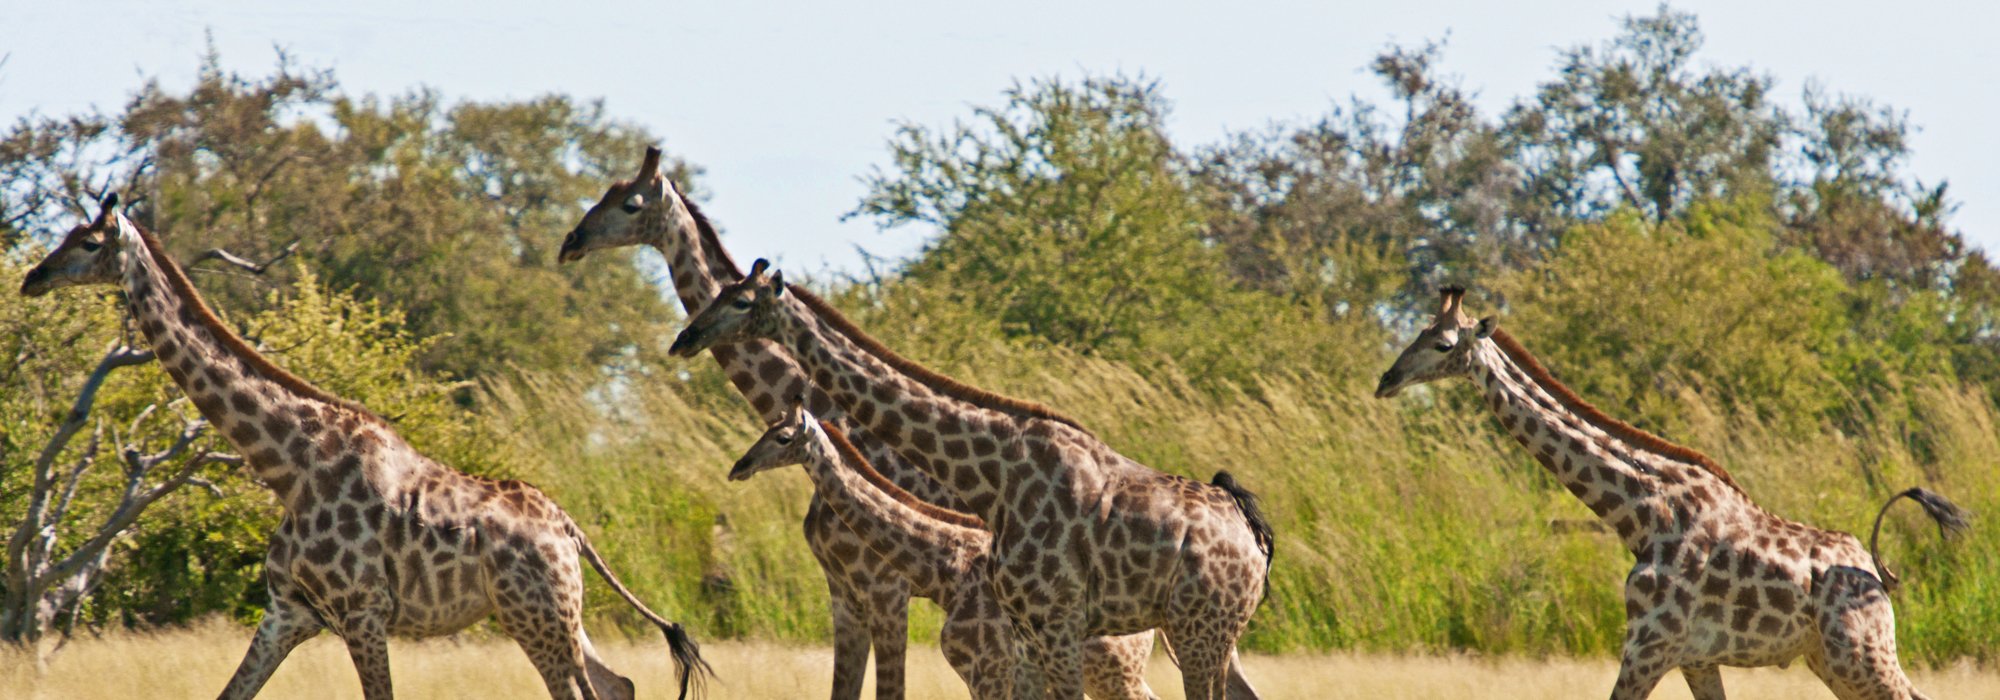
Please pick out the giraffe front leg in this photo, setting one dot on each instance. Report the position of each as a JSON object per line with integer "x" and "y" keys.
{"x": 889, "y": 632}
{"x": 367, "y": 638}
{"x": 1704, "y": 682}
{"x": 850, "y": 638}
{"x": 1055, "y": 646}
{"x": 285, "y": 626}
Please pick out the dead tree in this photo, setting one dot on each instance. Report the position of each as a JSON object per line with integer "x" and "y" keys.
{"x": 42, "y": 580}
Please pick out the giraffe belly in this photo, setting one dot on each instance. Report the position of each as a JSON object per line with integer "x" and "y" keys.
{"x": 438, "y": 593}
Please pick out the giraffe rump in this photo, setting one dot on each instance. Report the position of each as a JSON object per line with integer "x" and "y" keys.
{"x": 689, "y": 667}
{"x": 1614, "y": 427}
{"x": 925, "y": 375}
{"x": 1252, "y": 514}
{"x": 1949, "y": 518}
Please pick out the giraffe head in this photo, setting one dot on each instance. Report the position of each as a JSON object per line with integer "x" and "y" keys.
{"x": 1443, "y": 349}
{"x": 88, "y": 254}
{"x": 789, "y": 441}
{"x": 615, "y": 220}
{"x": 743, "y": 310}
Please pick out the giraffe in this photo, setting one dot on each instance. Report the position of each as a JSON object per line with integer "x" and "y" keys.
{"x": 376, "y": 539}
{"x": 1718, "y": 581}
{"x": 1085, "y": 541}
{"x": 944, "y": 555}
{"x": 869, "y": 598}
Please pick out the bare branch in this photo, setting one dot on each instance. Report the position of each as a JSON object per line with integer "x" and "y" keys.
{"x": 253, "y": 267}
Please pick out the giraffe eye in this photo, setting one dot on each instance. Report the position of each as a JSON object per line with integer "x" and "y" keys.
{"x": 1443, "y": 347}
{"x": 632, "y": 204}
{"x": 740, "y": 303}
{"x": 784, "y": 438}
{"x": 89, "y": 246}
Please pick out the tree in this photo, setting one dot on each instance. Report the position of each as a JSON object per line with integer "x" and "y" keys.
{"x": 450, "y": 211}
{"x": 1068, "y": 215}
{"x": 1634, "y": 124}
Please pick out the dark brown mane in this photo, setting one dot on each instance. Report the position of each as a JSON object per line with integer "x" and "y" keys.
{"x": 711, "y": 243}
{"x": 1615, "y": 428}
{"x": 867, "y": 471}
{"x": 937, "y": 382}
{"x": 232, "y": 342}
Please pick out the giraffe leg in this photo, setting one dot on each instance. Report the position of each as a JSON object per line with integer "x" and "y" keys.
{"x": 981, "y": 651}
{"x": 1203, "y": 650}
{"x": 1056, "y": 647}
{"x": 284, "y": 626}
{"x": 550, "y": 646}
{"x": 1858, "y": 637}
{"x": 889, "y": 633}
{"x": 1704, "y": 682}
{"x": 1639, "y": 670}
{"x": 1239, "y": 684}
{"x": 850, "y": 635}
{"x": 1114, "y": 668}
{"x": 608, "y": 683}
{"x": 367, "y": 640}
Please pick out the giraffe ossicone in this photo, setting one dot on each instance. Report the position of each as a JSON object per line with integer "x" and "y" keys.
{"x": 1717, "y": 580}
{"x": 376, "y": 539}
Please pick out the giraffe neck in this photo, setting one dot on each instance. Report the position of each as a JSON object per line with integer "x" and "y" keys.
{"x": 907, "y": 415}
{"x": 1638, "y": 491}
{"x": 271, "y": 418}
{"x": 925, "y": 548}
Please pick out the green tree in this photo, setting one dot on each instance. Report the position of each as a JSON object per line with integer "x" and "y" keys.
{"x": 452, "y": 212}
{"x": 1068, "y": 216}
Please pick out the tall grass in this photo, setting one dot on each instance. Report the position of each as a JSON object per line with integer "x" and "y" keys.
{"x": 1410, "y": 525}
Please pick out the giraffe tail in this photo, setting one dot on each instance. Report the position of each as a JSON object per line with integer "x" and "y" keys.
{"x": 1949, "y": 517}
{"x": 1259, "y": 527}
{"x": 689, "y": 667}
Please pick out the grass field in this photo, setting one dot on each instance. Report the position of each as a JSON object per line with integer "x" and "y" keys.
{"x": 196, "y": 662}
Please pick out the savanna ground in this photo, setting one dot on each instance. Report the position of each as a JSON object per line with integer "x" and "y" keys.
{"x": 196, "y": 661}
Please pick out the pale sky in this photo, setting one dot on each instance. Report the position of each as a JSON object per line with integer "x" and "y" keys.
{"x": 788, "y": 104}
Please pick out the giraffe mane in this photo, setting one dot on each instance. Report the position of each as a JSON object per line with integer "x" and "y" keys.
{"x": 205, "y": 317}
{"x": 928, "y": 377}
{"x": 1590, "y": 414}
{"x": 867, "y": 471}
{"x": 710, "y": 242}
{"x": 925, "y": 375}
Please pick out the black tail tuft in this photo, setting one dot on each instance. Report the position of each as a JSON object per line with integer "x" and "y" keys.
{"x": 1259, "y": 527}
{"x": 687, "y": 658}
{"x": 1949, "y": 517}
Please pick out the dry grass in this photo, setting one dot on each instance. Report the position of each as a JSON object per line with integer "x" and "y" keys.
{"x": 196, "y": 662}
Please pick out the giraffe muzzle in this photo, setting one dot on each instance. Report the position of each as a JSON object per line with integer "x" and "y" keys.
{"x": 33, "y": 285}
{"x": 572, "y": 249}
{"x": 687, "y": 344}
{"x": 1390, "y": 385}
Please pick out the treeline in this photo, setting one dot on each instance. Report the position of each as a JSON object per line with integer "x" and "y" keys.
{"x": 1763, "y": 282}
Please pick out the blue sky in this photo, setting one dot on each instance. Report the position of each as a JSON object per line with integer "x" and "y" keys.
{"x": 788, "y": 104}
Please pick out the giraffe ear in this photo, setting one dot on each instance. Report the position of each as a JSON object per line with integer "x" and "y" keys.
{"x": 758, "y": 268}
{"x": 778, "y": 283}
{"x": 1486, "y": 327}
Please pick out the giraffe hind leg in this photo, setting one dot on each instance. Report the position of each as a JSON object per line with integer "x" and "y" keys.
{"x": 1858, "y": 638}
{"x": 1704, "y": 682}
